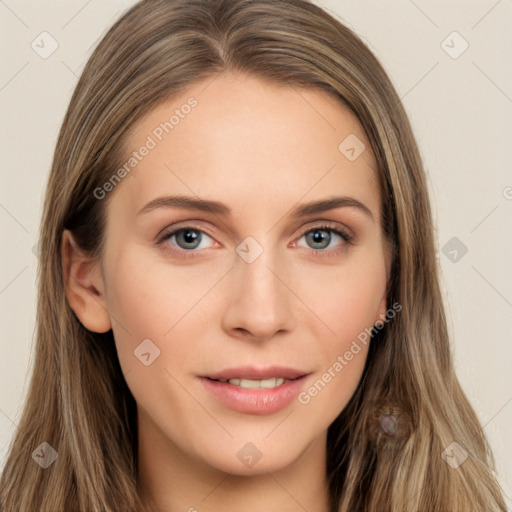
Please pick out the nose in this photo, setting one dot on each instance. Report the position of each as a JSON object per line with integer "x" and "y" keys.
{"x": 260, "y": 303}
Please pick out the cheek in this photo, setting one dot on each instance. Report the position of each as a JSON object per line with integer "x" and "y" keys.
{"x": 344, "y": 299}
{"x": 151, "y": 296}
{"x": 149, "y": 299}
{"x": 157, "y": 328}
{"x": 349, "y": 310}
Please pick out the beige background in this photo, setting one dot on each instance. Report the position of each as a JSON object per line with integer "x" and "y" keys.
{"x": 460, "y": 105}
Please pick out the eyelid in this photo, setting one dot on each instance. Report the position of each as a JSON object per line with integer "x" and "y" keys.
{"x": 188, "y": 223}
{"x": 327, "y": 225}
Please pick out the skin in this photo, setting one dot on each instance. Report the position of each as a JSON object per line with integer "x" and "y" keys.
{"x": 261, "y": 149}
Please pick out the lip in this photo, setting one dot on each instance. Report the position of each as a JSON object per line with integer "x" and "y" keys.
{"x": 255, "y": 401}
{"x": 252, "y": 372}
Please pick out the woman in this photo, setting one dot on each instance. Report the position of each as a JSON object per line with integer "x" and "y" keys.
{"x": 259, "y": 369}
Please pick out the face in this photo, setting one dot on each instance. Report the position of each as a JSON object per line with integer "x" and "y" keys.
{"x": 244, "y": 284}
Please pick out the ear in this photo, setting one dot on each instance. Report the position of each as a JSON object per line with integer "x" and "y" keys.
{"x": 84, "y": 285}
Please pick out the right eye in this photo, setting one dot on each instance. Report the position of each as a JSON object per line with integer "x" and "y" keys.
{"x": 186, "y": 239}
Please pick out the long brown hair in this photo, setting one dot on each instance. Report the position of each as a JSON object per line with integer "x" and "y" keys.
{"x": 78, "y": 401}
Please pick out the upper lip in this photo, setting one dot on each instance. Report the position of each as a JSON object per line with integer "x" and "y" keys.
{"x": 257, "y": 373}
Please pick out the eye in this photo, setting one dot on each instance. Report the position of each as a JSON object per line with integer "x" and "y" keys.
{"x": 187, "y": 238}
{"x": 319, "y": 238}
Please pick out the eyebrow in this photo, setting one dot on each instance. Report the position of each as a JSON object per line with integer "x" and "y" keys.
{"x": 205, "y": 205}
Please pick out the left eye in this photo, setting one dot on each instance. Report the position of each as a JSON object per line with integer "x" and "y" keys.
{"x": 320, "y": 238}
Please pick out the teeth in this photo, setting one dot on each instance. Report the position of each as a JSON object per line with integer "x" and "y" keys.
{"x": 273, "y": 382}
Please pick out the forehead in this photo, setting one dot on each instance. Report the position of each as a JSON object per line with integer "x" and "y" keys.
{"x": 249, "y": 143}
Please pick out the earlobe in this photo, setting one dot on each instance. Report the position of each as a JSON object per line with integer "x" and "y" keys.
{"x": 84, "y": 285}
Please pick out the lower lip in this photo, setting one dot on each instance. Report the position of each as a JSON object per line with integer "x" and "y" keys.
{"x": 255, "y": 401}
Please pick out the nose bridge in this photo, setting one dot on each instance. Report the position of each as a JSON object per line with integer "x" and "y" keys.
{"x": 257, "y": 275}
{"x": 260, "y": 302}
{"x": 254, "y": 267}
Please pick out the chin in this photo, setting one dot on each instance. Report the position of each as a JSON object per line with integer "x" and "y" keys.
{"x": 246, "y": 458}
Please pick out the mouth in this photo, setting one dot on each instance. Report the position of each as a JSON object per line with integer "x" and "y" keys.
{"x": 271, "y": 383}
{"x": 252, "y": 377}
{"x": 254, "y": 390}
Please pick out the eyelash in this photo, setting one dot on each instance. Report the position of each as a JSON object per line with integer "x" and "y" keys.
{"x": 192, "y": 253}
